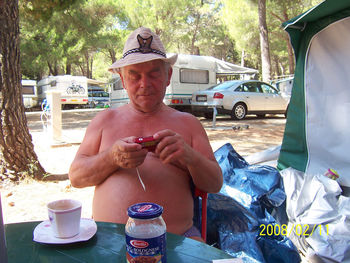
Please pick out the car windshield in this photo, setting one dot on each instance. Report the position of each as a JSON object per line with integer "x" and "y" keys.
{"x": 223, "y": 86}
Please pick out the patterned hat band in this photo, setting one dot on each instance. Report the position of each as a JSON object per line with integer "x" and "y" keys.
{"x": 145, "y": 47}
{"x": 136, "y": 50}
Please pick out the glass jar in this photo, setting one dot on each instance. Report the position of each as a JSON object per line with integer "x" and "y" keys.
{"x": 145, "y": 234}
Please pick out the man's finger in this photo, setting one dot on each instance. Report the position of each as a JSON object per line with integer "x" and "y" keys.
{"x": 163, "y": 133}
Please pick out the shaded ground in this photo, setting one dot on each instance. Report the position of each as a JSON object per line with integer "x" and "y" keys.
{"x": 248, "y": 136}
{"x": 72, "y": 119}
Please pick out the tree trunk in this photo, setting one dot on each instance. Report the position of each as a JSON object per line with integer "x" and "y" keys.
{"x": 290, "y": 56}
{"x": 112, "y": 55}
{"x": 68, "y": 68}
{"x": 91, "y": 64}
{"x": 277, "y": 66}
{"x": 55, "y": 73}
{"x": 242, "y": 58}
{"x": 51, "y": 71}
{"x": 17, "y": 156}
{"x": 87, "y": 64}
{"x": 194, "y": 36}
{"x": 264, "y": 42}
{"x": 289, "y": 46}
{"x": 193, "y": 51}
{"x": 82, "y": 69}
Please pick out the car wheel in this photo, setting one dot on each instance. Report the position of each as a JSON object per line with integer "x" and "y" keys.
{"x": 239, "y": 112}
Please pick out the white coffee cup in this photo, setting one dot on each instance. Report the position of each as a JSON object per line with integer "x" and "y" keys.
{"x": 64, "y": 217}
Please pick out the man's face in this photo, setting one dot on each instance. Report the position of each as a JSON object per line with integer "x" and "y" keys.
{"x": 146, "y": 84}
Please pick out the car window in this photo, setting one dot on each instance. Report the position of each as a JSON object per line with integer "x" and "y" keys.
{"x": 212, "y": 87}
{"x": 98, "y": 94}
{"x": 240, "y": 88}
{"x": 252, "y": 87}
{"x": 268, "y": 89}
{"x": 243, "y": 88}
{"x": 223, "y": 86}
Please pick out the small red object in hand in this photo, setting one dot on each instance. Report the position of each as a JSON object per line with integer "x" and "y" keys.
{"x": 147, "y": 142}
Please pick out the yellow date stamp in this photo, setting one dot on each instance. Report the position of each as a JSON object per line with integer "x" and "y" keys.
{"x": 297, "y": 229}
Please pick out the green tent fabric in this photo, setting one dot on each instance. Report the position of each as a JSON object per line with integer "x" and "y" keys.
{"x": 317, "y": 130}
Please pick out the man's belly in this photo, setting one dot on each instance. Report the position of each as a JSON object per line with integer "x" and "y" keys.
{"x": 165, "y": 185}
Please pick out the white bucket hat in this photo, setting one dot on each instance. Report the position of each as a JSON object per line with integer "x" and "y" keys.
{"x": 141, "y": 46}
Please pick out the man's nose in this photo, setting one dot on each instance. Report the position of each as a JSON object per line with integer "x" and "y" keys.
{"x": 145, "y": 81}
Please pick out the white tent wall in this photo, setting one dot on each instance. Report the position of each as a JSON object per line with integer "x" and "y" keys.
{"x": 327, "y": 94}
{"x": 316, "y": 135}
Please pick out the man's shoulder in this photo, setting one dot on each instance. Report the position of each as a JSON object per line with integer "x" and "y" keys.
{"x": 185, "y": 117}
{"x": 107, "y": 114}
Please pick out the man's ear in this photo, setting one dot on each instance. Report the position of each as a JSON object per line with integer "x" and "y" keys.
{"x": 170, "y": 73}
{"x": 121, "y": 77}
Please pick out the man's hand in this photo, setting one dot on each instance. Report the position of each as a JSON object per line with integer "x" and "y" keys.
{"x": 172, "y": 148}
{"x": 203, "y": 168}
{"x": 128, "y": 154}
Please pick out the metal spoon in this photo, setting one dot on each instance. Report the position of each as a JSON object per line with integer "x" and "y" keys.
{"x": 138, "y": 174}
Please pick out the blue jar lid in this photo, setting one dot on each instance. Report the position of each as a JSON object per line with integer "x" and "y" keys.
{"x": 145, "y": 210}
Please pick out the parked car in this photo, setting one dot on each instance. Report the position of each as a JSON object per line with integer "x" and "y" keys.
{"x": 284, "y": 86}
{"x": 98, "y": 99}
{"x": 239, "y": 98}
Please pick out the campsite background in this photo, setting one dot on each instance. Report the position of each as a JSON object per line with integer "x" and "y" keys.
{"x": 75, "y": 40}
{"x": 41, "y": 37}
{"x": 84, "y": 37}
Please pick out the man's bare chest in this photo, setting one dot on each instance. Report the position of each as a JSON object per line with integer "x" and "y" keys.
{"x": 140, "y": 128}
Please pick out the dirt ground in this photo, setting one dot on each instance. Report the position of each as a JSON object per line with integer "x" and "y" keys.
{"x": 27, "y": 201}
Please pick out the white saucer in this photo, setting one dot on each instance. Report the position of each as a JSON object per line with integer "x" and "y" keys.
{"x": 43, "y": 233}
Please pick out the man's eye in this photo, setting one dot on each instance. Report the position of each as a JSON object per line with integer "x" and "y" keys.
{"x": 134, "y": 76}
{"x": 155, "y": 74}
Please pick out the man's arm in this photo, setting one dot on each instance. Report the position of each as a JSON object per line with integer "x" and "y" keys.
{"x": 198, "y": 157}
{"x": 91, "y": 167}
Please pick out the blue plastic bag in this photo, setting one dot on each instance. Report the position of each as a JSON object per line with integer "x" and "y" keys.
{"x": 239, "y": 212}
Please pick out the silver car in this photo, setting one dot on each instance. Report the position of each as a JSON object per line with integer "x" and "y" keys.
{"x": 239, "y": 98}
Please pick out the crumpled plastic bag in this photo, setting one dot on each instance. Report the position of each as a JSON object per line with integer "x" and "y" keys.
{"x": 236, "y": 214}
{"x": 315, "y": 202}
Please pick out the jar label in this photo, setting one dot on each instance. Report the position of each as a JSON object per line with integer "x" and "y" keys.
{"x": 146, "y": 250}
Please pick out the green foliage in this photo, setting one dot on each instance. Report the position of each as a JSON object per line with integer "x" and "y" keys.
{"x": 68, "y": 39}
{"x": 43, "y": 9}
{"x": 184, "y": 26}
{"x": 83, "y": 37}
{"x": 241, "y": 18}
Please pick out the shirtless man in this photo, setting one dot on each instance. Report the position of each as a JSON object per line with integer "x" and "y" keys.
{"x": 108, "y": 156}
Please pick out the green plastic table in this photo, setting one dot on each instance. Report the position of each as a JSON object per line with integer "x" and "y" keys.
{"x": 108, "y": 245}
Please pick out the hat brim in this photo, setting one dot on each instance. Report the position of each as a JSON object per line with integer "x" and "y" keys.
{"x": 137, "y": 58}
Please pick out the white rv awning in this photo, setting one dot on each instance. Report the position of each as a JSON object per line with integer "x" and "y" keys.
{"x": 226, "y": 68}
{"x": 95, "y": 82}
{"x": 207, "y": 62}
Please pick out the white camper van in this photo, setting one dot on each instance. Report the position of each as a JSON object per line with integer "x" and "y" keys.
{"x": 190, "y": 73}
{"x": 117, "y": 94}
{"x": 74, "y": 89}
{"x": 32, "y": 94}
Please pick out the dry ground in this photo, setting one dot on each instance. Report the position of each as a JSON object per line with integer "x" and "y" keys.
{"x": 27, "y": 201}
